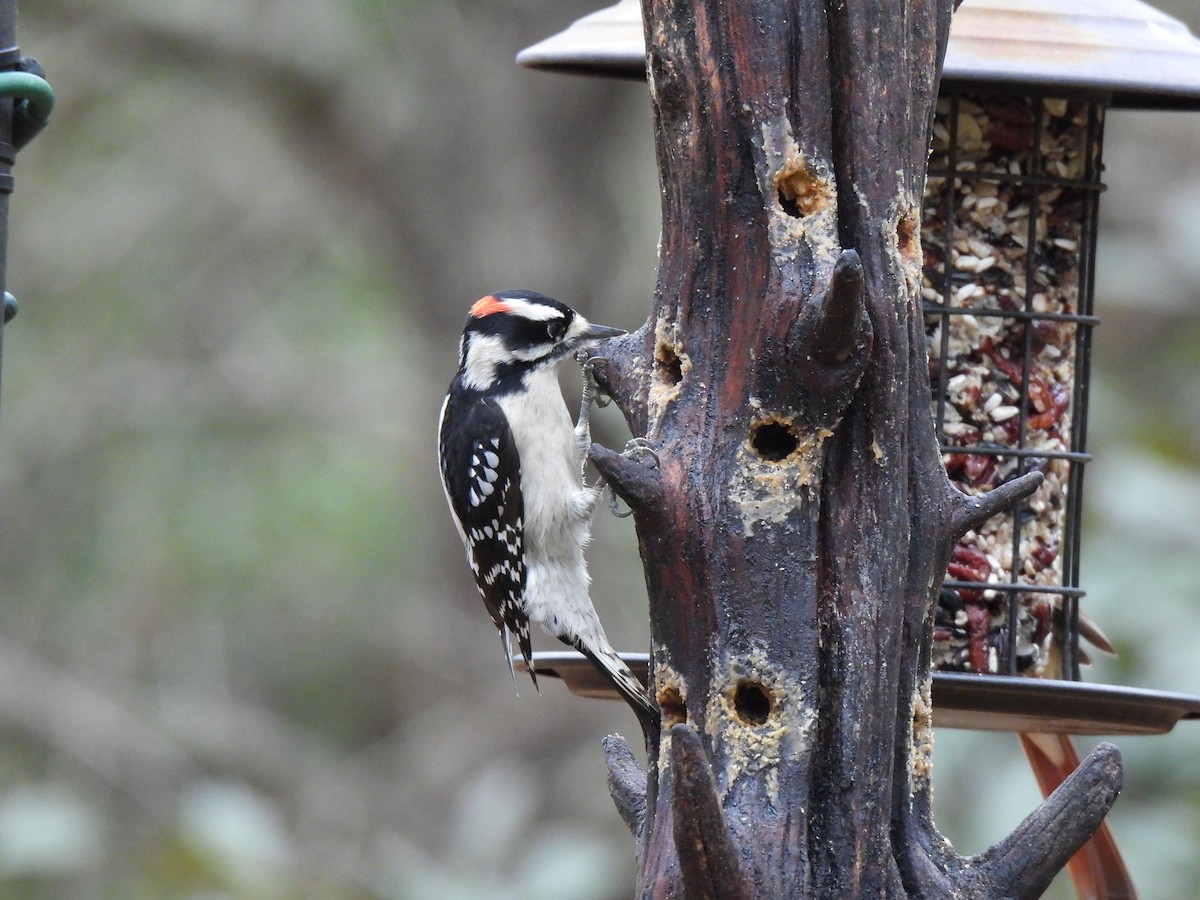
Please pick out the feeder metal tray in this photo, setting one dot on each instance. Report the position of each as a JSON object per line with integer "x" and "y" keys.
{"x": 978, "y": 702}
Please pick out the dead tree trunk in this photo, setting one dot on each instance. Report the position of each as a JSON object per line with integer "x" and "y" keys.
{"x": 798, "y": 523}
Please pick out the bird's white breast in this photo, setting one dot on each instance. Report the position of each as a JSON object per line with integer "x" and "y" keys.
{"x": 550, "y": 477}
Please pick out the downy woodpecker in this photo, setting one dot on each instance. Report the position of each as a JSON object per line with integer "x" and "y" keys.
{"x": 512, "y": 462}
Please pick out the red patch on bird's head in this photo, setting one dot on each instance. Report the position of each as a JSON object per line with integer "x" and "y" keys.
{"x": 485, "y": 306}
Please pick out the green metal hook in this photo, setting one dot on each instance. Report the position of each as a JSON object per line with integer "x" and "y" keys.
{"x": 35, "y": 101}
{"x": 35, "y": 91}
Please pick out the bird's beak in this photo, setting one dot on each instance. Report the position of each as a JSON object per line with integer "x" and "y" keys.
{"x": 597, "y": 333}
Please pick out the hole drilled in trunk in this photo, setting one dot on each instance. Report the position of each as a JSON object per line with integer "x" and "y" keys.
{"x": 752, "y": 702}
{"x": 773, "y": 440}
{"x": 670, "y": 701}
{"x": 669, "y": 365}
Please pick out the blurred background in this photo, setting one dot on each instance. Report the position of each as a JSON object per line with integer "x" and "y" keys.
{"x": 240, "y": 654}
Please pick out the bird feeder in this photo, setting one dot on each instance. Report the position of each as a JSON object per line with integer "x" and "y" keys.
{"x": 1009, "y": 242}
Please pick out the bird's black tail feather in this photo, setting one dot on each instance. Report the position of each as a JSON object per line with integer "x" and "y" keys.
{"x": 613, "y": 668}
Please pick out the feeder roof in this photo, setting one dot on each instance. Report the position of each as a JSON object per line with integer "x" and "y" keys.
{"x": 1126, "y": 48}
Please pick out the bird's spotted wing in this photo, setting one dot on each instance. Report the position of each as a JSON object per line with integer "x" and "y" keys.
{"x": 478, "y": 453}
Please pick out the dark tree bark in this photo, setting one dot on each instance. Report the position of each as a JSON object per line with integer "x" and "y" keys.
{"x": 798, "y": 522}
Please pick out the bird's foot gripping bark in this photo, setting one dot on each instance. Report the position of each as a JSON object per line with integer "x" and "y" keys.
{"x": 636, "y": 449}
{"x": 591, "y": 395}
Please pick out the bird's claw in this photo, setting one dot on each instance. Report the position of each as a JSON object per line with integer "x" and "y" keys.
{"x": 635, "y": 448}
{"x": 592, "y": 395}
{"x": 592, "y": 392}
{"x": 640, "y": 448}
{"x": 599, "y": 398}
{"x": 583, "y": 428}
{"x": 614, "y": 503}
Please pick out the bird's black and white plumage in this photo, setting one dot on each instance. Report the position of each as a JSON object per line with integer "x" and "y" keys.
{"x": 511, "y": 467}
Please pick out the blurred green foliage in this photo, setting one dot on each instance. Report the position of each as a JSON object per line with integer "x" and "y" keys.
{"x": 240, "y": 654}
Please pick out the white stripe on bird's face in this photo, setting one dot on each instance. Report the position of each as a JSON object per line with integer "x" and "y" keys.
{"x": 487, "y": 352}
{"x": 526, "y": 309}
{"x": 484, "y": 353}
{"x": 579, "y": 326}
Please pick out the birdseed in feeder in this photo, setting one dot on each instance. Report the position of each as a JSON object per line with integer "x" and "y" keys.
{"x": 1008, "y": 223}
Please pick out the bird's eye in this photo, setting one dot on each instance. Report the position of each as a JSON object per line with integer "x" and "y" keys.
{"x": 556, "y": 329}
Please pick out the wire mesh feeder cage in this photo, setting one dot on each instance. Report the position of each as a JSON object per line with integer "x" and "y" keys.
{"x": 1009, "y": 236}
